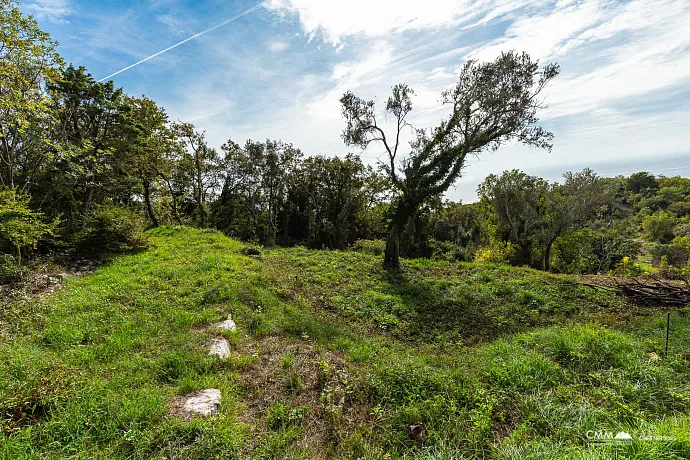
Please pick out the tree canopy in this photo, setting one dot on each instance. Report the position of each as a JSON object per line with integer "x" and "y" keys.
{"x": 493, "y": 103}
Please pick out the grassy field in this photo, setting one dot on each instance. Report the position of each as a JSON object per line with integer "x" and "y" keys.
{"x": 335, "y": 358}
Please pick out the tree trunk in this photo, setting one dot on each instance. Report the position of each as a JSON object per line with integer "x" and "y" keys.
{"x": 176, "y": 215}
{"x": 547, "y": 256}
{"x": 391, "y": 259}
{"x": 88, "y": 200}
{"x": 202, "y": 213}
{"x": 525, "y": 253}
{"x": 149, "y": 207}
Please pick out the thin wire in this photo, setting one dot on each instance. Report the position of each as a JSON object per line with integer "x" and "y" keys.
{"x": 227, "y": 21}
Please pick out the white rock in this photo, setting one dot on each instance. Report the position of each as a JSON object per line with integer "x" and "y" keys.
{"x": 205, "y": 402}
{"x": 48, "y": 280}
{"x": 227, "y": 325}
{"x": 220, "y": 348}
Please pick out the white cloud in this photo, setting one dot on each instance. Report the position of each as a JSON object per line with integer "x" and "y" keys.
{"x": 441, "y": 73}
{"x": 50, "y": 10}
{"x": 543, "y": 35}
{"x": 336, "y": 20}
{"x": 610, "y": 51}
{"x": 176, "y": 24}
{"x": 278, "y": 46}
{"x": 653, "y": 55}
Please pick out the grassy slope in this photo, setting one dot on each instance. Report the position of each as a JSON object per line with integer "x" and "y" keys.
{"x": 333, "y": 358}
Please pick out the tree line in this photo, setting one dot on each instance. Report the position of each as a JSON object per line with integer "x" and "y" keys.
{"x": 85, "y": 166}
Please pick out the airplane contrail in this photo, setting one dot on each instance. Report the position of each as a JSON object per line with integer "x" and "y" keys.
{"x": 227, "y": 21}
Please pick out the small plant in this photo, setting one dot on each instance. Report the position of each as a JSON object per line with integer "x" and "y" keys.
{"x": 111, "y": 229}
{"x": 282, "y": 414}
{"x": 326, "y": 372}
{"x": 251, "y": 250}
{"x": 10, "y": 270}
{"x": 288, "y": 361}
{"x": 292, "y": 380}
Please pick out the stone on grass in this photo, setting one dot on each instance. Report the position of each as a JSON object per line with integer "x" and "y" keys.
{"x": 220, "y": 348}
{"x": 49, "y": 280}
{"x": 204, "y": 402}
{"x": 227, "y": 325}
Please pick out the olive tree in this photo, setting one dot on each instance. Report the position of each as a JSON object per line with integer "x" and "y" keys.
{"x": 492, "y": 103}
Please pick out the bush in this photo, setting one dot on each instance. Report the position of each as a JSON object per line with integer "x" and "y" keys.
{"x": 659, "y": 227}
{"x": 19, "y": 225}
{"x": 111, "y": 229}
{"x": 677, "y": 253}
{"x": 447, "y": 250}
{"x": 680, "y": 208}
{"x": 587, "y": 251}
{"x": 497, "y": 252}
{"x": 10, "y": 271}
{"x": 375, "y": 247}
{"x": 251, "y": 250}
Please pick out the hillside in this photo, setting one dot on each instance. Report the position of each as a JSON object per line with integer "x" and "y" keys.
{"x": 333, "y": 357}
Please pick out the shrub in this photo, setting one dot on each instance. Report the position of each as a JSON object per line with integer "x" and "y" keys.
{"x": 587, "y": 251}
{"x": 447, "y": 250}
{"x": 497, "y": 252}
{"x": 19, "y": 225}
{"x": 111, "y": 229}
{"x": 574, "y": 252}
{"x": 659, "y": 227}
{"x": 281, "y": 414}
{"x": 375, "y": 247}
{"x": 251, "y": 250}
{"x": 680, "y": 208}
{"x": 675, "y": 254}
{"x": 10, "y": 271}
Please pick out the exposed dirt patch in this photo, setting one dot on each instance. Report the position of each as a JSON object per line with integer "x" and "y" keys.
{"x": 317, "y": 388}
{"x": 506, "y": 418}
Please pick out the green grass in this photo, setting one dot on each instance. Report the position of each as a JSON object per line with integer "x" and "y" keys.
{"x": 335, "y": 358}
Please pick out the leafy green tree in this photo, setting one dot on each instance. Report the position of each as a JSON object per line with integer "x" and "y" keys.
{"x": 199, "y": 167}
{"x": 334, "y": 196}
{"x": 28, "y": 64}
{"x": 530, "y": 212}
{"x": 256, "y": 182}
{"x": 659, "y": 227}
{"x": 581, "y": 198}
{"x": 90, "y": 118}
{"x": 642, "y": 182}
{"x": 148, "y": 140}
{"x": 516, "y": 201}
{"x": 492, "y": 103}
{"x": 459, "y": 223}
{"x": 680, "y": 208}
{"x": 19, "y": 225}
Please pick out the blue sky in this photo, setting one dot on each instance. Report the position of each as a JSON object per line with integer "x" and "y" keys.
{"x": 621, "y": 101}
